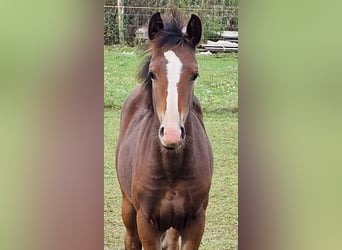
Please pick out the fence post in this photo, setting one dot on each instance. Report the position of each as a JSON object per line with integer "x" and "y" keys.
{"x": 120, "y": 22}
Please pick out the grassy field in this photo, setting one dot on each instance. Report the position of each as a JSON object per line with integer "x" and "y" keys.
{"x": 217, "y": 90}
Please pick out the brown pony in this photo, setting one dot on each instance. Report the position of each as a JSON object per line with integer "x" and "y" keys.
{"x": 164, "y": 159}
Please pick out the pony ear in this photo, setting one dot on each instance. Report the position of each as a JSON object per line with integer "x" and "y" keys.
{"x": 194, "y": 30}
{"x": 155, "y": 26}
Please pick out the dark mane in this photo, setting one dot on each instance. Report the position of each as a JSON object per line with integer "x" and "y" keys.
{"x": 171, "y": 35}
{"x": 145, "y": 79}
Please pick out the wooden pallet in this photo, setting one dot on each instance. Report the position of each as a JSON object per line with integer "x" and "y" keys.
{"x": 220, "y": 46}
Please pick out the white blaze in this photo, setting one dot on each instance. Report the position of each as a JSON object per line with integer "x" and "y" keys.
{"x": 173, "y": 69}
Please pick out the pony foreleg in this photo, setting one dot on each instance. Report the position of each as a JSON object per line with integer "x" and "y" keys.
{"x": 132, "y": 240}
{"x": 149, "y": 236}
{"x": 192, "y": 234}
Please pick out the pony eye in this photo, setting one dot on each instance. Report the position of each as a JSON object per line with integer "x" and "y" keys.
{"x": 152, "y": 75}
{"x": 194, "y": 76}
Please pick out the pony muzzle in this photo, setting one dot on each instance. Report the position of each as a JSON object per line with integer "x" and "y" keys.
{"x": 171, "y": 137}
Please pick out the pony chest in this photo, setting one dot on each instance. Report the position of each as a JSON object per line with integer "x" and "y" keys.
{"x": 172, "y": 203}
{"x": 166, "y": 207}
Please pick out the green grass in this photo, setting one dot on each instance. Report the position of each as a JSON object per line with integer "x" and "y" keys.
{"x": 217, "y": 90}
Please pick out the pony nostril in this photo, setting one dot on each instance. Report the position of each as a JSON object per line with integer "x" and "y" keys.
{"x": 161, "y": 131}
{"x": 182, "y": 132}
